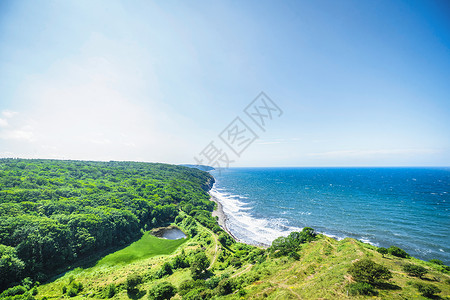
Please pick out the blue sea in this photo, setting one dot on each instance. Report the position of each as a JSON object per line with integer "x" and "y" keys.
{"x": 405, "y": 207}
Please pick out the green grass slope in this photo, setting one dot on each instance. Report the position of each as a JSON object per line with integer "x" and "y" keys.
{"x": 320, "y": 273}
{"x": 147, "y": 246}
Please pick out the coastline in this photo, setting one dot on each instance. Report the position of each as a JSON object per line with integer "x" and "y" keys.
{"x": 222, "y": 217}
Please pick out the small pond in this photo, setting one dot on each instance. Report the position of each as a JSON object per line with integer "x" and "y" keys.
{"x": 169, "y": 233}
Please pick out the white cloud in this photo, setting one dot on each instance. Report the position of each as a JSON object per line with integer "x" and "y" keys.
{"x": 3, "y": 122}
{"x": 17, "y": 134}
{"x": 9, "y": 113}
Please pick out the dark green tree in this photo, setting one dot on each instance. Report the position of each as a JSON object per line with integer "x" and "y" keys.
{"x": 427, "y": 290}
{"x": 365, "y": 270}
{"x": 162, "y": 291}
{"x": 199, "y": 264}
{"x": 383, "y": 251}
{"x": 414, "y": 270}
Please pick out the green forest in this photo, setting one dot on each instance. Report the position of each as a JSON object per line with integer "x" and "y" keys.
{"x": 77, "y": 229}
{"x": 55, "y": 212}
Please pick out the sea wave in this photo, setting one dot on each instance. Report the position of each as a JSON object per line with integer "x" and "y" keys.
{"x": 244, "y": 226}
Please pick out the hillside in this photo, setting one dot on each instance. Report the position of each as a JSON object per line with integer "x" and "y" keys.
{"x": 41, "y": 201}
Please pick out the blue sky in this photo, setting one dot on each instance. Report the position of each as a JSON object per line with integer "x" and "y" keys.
{"x": 360, "y": 83}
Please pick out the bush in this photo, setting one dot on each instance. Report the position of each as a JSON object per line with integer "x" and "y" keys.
{"x": 224, "y": 287}
{"x": 284, "y": 245}
{"x": 34, "y": 291}
{"x": 15, "y": 290}
{"x": 396, "y": 251}
{"x": 235, "y": 262}
{"x": 166, "y": 269}
{"x": 365, "y": 270}
{"x": 383, "y": 251}
{"x": 110, "y": 291}
{"x": 436, "y": 262}
{"x": 132, "y": 281}
{"x": 414, "y": 270}
{"x": 199, "y": 264}
{"x": 162, "y": 291}
{"x": 360, "y": 288}
{"x": 427, "y": 290}
{"x": 294, "y": 255}
{"x": 72, "y": 292}
{"x": 179, "y": 262}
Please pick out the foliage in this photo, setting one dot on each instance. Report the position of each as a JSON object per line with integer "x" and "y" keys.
{"x": 225, "y": 239}
{"x": 162, "y": 291}
{"x": 73, "y": 289}
{"x": 180, "y": 261}
{"x": 383, "y": 251}
{"x": 361, "y": 288}
{"x": 11, "y": 266}
{"x": 110, "y": 290}
{"x": 16, "y": 290}
{"x": 133, "y": 280}
{"x": 284, "y": 245}
{"x": 199, "y": 264}
{"x": 414, "y": 270}
{"x": 396, "y": 251}
{"x": 53, "y": 213}
{"x": 166, "y": 269}
{"x": 436, "y": 262}
{"x": 365, "y": 270}
{"x": 427, "y": 290}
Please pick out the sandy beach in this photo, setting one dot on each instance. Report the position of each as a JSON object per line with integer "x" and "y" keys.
{"x": 222, "y": 218}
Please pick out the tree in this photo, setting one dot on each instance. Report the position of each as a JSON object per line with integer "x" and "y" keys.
{"x": 162, "y": 291}
{"x": 10, "y": 266}
{"x": 199, "y": 264}
{"x": 383, "y": 251}
{"x": 414, "y": 270}
{"x": 396, "y": 251}
{"x": 365, "y": 270}
{"x": 427, "y": 290}
{"x": 133, "y": 280}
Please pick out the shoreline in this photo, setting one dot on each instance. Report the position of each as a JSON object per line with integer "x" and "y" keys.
{"x": 222, "y": 217}
{"x": 222, "y": 221}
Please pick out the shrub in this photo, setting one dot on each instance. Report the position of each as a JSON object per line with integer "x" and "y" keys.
{"x": 34, "y": 291}
{"x": 189, "y": 285}
{"x": 396, "y": 251}
{"x": 294, "y": 255}
{"x": 166, "y": 269}
{"x": 162, "y": 291}
{"x": 365, "y": 270}
{"x": 132, "y": 281}
{"x": 235, "y": 262}
{"x": 15, "y": 290}
{"x": 72, "y": 292}
{"x": 436, "y": 262}
{"x": 414, "y": 270}
{"x": 110, "y": 291}
{"x": 427, "y": 290}
{"x": 224, "y": 287}
{"x": 383, "y": 251}
{"x": 360, "y": 288}
{"x": 179, "y": 262}
{"x": 199, "y": 264}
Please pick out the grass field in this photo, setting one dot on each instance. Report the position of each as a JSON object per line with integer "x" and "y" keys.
{"x": 320, "y": 273}
{"x": 147, "y": 246}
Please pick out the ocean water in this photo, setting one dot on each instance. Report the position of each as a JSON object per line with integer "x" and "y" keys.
{"x": 405, "y": 207}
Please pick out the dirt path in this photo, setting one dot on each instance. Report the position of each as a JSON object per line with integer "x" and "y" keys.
{"x": 216, "y": 249}
{"x": 243, "y": 271}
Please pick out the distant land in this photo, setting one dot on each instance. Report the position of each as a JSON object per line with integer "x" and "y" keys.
{"x": 200, "y": 167}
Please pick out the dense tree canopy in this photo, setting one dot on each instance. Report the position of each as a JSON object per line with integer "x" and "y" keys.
{"x": 53, "y": 212}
